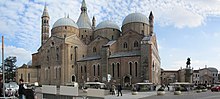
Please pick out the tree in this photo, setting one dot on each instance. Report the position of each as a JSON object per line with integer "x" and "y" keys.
{"x": 10, "y": 68}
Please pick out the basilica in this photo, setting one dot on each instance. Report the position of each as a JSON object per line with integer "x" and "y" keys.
{"x": 82, "y": 51}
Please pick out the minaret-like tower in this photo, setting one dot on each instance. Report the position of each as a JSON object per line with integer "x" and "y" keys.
{"x": 83, "y": 20}
{"x": 84, "y": 24}
{"x": 151, "y": 22}
{"x": 93, "y": 22}
{"x": 45, "y": 25}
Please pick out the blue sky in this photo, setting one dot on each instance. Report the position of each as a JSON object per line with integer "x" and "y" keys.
{"x": 184, "y": 28}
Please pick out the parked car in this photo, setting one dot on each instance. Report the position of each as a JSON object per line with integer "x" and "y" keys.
{"x": 215, "y": 88}
{"x": 11, "y": 89}
{"x": 94, "y": 85}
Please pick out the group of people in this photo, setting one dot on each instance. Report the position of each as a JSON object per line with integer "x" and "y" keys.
{"x": 21, "y": 90}
{"x": 113, "y": 90}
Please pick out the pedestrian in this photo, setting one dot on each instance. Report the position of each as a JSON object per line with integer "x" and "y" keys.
{"x": 119, "y": 89}
{"x": 21, "y": 90}
{"x": 113, "y": 89}
{"x": 168, "y": 88}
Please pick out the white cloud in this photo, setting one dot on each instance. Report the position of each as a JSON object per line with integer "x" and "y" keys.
{"x": 23, "y": 56}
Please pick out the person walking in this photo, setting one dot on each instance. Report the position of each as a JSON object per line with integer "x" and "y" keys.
{"x": 21, "y": 89}
{"x": 113, "y": 90}
{"x": 119, "y": 89}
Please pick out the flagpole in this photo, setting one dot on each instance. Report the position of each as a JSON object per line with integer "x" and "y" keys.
{"x": 3, "y": 66}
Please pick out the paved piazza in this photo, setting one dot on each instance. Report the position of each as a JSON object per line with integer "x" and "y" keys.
{"x": 188, "y": 95}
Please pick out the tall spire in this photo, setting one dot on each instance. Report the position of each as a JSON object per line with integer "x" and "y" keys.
{"x": 45, "y": 27}
{"x": 93, "y": 22}
{"x": 45, "y": 12}
{"x": 83, "y": 6}
{"x": 83, "y": 20}
{"x": 151, "y": 21}
{"x": 151, "y": 16}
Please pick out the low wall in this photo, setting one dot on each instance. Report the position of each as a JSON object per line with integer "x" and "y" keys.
{"x": 69, "y": 91}
{"x": 97, "y": 92}
{"x": 49, "y": 89}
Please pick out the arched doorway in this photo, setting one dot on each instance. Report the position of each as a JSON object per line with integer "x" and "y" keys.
{"x": 73, "y": 78}
{"x": 127, "y": 81}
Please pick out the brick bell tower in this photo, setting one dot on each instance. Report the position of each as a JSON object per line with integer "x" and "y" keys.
{"x": 45, "y": 27}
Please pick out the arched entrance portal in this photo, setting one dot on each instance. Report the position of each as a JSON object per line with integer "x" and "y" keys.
{"x": 127, "y": 81}
{"x": 73, "y": 78}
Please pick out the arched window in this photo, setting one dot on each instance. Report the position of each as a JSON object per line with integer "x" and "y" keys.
{"x": 56, "y": 70}
{"x": 71, "y": 57}
{"x": 47, "y": 58}
{"x": 135, "y": 43}
{"x": 136, "y": 66}
{"x": 29, "y": 77}
{"x": 98, "y": 70}
{"x": 94, "y": 70}
{"x": 81, "y": 69}
{"x": 113, "y": 70}
{"x": 112, "y": 37}
{"x": 94, "y": 49}
{"x": 57, "y": 57}
{"x": 130, "y": 65}
{"x": 125, "y": 45}
{"x": 73, "y": 78}
{"x": 85, "y": 69}
{"x": 118, "y": 69}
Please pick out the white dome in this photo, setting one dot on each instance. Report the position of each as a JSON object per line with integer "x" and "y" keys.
{"x": 65, "y": 22}
{"x": 135, "y": 17}
{"x": 107, "y": 24}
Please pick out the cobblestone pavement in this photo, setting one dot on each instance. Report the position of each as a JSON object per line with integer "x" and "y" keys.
{"x": 187, "y": 95}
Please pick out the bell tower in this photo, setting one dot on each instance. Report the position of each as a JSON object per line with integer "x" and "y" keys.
{"x": 45, "y": 25}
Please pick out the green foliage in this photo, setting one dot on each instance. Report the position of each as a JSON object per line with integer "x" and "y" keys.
{"x": 10, "y": 68}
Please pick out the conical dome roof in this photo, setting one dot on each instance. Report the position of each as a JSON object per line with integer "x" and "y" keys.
{"x": 83, "y": 20}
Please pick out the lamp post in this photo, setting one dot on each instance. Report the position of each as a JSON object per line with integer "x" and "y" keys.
{"x": 3, "y": 67}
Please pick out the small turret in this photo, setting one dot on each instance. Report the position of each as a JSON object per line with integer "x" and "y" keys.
{"x": 93, "y": 22}
{"x": 45, "y": 25}
{"x": 151, "y": 22}
{"x": 83, "y": 6}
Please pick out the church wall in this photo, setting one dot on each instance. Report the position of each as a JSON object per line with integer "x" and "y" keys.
{"x": 111, "y": 34}
{"x": 27, "y": 74}
{"x": 35, "y": 59}
{"x": 86, "y": 35}
{"x": 89, "y": 74}
{"x": 94, "y": 48}
{"x": 64, "y": 31}
{"x": 124, "y": 68}
{"x": 141, "y": 28}
{"x": 129, "y": 38}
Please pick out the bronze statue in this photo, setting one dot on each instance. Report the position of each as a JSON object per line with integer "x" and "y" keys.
{"x": 188, "y": 63}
